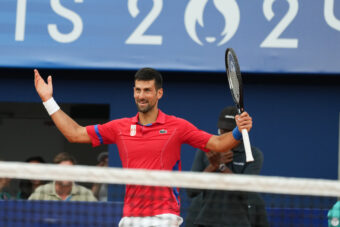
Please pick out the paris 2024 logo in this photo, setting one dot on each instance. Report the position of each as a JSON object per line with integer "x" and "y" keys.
{"x": 194, "y": 14}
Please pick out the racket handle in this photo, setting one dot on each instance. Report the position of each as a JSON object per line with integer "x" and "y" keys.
{"x": 246, "y": 143}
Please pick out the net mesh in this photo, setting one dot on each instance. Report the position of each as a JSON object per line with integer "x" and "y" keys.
{"x": 206, "y": 199}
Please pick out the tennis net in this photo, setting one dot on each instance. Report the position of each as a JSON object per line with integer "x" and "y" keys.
{"x": 206, "y": 199}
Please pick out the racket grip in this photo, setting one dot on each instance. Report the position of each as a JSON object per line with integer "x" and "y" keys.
{"x": 247, "y": 148}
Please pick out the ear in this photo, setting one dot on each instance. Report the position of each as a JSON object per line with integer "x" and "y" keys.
{"x": 160, "y": 93}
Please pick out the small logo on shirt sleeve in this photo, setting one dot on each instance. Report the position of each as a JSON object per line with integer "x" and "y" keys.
{"x": 133, "y": 130}
{"x": 163, "y": 131}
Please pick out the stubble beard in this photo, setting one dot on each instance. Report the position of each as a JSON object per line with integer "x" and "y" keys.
{"x": 146, "y": 109}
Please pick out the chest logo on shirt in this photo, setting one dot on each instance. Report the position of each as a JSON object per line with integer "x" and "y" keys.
{"x": 163, "y": 131}
{"x": 133, "y": 130}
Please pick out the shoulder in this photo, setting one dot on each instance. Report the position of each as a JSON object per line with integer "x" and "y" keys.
{"x": 42, "y": 191}
{"x": 46, "y": 188}
{"x": 178, "y": 120}
{"x": 83, "y": 191}
{"x": 120, "y": 120}
{"x": 256, "y": 151}
{"x": 116, "y": 123}
{"x": 169, "y": 117}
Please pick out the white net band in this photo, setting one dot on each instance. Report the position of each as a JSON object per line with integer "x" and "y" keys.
{"x": 267, "y": 184}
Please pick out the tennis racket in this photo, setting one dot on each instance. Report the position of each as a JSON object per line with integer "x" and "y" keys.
{"x": 236, "y": 89}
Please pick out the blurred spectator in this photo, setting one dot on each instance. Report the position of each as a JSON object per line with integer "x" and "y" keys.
{"x": 27, "y": 187}
{"x": 63, "y": 190}
{"x": 216, "y": 208}
{"x": 6, "y": 189}
{"x": 333, "y": 215}
{"x": 100, "y": 190}
{"x": 4, "y": 184}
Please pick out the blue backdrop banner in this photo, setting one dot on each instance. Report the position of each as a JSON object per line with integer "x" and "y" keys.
{"x": 269, "y": 36}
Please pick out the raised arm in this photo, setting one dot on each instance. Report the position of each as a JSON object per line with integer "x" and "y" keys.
{"x": 227, "y": 141}
{"x": 72, "y": 131}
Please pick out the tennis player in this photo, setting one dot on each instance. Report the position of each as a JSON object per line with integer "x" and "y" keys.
{"x": 149, "y": 140}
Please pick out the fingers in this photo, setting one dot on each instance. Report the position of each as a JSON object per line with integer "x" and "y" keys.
{"x": 242, "y": 115}
{"x": 44, "y": 90}
{"x": 36, "y": 72}
{"x": 37, "y": 77}
{"x": 227, "y": 153}
{"x": 49, "y": 80}
{"x": 244, "y": 121}
{"x": 101, "y": 163}
{"x": 227, "y": 156}
{"x": 211, "y": 154}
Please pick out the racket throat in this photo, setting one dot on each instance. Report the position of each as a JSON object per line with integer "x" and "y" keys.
{"x": 240, "y": 109}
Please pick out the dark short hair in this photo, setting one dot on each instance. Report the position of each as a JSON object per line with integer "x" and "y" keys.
{"x": 64, "y": 156}
{"x": 146, "y": 74}
{"x": 35, "y": 158}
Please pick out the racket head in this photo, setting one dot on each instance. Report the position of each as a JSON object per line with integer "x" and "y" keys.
{"x": 234, "y": 78}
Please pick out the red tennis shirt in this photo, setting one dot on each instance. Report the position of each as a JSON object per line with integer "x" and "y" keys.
{"x": 154, "y": 146}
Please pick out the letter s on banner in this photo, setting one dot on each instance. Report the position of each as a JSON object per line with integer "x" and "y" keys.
{"x": 70, "y": 15}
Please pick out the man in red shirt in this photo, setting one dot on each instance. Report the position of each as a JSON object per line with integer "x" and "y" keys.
{"x": 149, "y": 140}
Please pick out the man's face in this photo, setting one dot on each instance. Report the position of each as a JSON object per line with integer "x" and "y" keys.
{"x": 146, "y": 96}
{"x": 35, "y": 182}
{"x": 4, "y": 182}
{"x": 65, "y": 183}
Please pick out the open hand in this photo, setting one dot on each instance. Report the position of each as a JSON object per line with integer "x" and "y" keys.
{"x": 44, "y": 90}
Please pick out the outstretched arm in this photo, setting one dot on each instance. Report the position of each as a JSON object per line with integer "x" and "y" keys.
{"x": 227, "y": 141}
{"x": 67, "y": 126}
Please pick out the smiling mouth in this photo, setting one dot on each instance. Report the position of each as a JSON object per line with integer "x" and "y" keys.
{"x": 142, "y": 102}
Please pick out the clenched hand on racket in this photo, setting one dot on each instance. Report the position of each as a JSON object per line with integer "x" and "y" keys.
{"x": 244, "y": 121}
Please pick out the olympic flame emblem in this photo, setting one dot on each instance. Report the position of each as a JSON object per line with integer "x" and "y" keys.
{"x": 194, "y": 14}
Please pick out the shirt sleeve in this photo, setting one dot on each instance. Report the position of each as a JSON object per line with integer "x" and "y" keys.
{"x": 102, "y": 134}
{"x": 33, "y": 196}
{"x": 88, "y": 195}
{"x": 194, "y": 136}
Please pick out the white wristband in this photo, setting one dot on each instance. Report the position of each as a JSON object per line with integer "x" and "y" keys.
{"x": 51, "y": 106}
